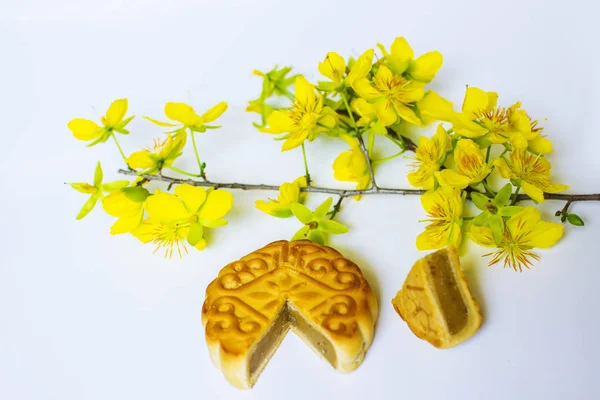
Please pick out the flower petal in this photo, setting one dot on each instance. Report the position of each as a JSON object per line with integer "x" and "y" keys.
{"x": 84, "y": 129}
{"x": 87, "y": 207}
{"x": 192, "y": 196}
{"x": 159, "y": 123}
{"x": 523, "y": 222}
{"x": 115, "y": 113}
{"x": 407, "y": 114}
{"x": 475, "y": 100}
{"x": 533, "y": 191}
{"x": 385, "y": 112}
{"x": 165, "y": 207}
{"x": 434, "y": 107}
{"x": 215, "y": 112}
{"x": 183, "y": 113}
{"x": 323, "y": 208}
{"x": 333, "y": 67}
{"x": 545, "y": 234}
{"x": 364, "y": 89}
{"x": 304, "y": 92}
{"x": 482, "y": 235}
{"x": 334, "y": 227}
{"x": 127, "y": 224}
{"x": 295, "y": 140}
{"x": 361, "y": 67}
{"x": 448, "y": 177}
{"x": 140, "y": 159}
{"x": 426, "y": 66}
{"x": 218, "y": 203}
{"x": 302, "y": 212}
{"x": 279, "y": 122}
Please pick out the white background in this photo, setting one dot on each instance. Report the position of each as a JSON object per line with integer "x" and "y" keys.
{"x": 85, "y": 315}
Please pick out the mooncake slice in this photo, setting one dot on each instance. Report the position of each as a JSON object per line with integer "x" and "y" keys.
{"x": 435, "y": 300}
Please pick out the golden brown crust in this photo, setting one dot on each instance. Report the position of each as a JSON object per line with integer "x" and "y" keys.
{"x": 430, "y": 315}
{"x": 326, "y": 289}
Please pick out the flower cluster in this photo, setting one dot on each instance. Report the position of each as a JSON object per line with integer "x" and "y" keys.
{"x": 378, "y": 97}
{"x": 171, "y": 221}
{"x": 491, "y": 155}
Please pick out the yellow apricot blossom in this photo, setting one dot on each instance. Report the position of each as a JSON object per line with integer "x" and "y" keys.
{"x": 523, "y": 232}
{"x": 401, "y": 60}
{"x": 430, "y": 155}
{"x": 444, "y": 207}
{"x": 113, "y": 121}
{"x": 127, "y": 205}
{"x": 305, "y": 120}
{"x": 351, "y": 165}
{"x": 185, "y": 116}
{"x": 182, "y": 216}
{"x": 470, "y": 163}
{"x": 162, "y": 155}
{"x": 481, "y": 116}
{"x": 532, "y": 171}
{"x": 289, "y": 192}
{"x": 393, "y": 96}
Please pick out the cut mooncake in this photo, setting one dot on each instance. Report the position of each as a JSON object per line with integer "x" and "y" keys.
{"x": 435, "y": 300}
{"x": 308, "y": 288}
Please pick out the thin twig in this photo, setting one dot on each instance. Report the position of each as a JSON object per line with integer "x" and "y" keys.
{"x": 340, "y": 192}
{"x": 361, "y": 142}
{"x": 336, "y": 207}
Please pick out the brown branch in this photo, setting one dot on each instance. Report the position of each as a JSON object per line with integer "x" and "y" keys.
{"x": 365, "y": 152}
{"x": 340, "y": 192}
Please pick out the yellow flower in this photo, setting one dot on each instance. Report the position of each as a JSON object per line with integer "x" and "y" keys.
{"x": 444, "y": 208}
{"x": 163, "y": 154}
{"x": 523, "y": 232}
{"x": 533, "y": 171}
{"x": 351, "y": 166}
{"x": 127, "y": 205}
{"x": 334, "y": 68}
{"x": 481, "y": 116}
{"x": 288, "y": 193}
{"x": 186, "y": 117}
{"x": 183, "y": 216}
{"x": 96, "y": 190}
{"x": 401, "y": 60}
{"x": 391, "y": 95}
{"x": 429, "y": 157}
{"x": 305, "y": 120}
{"x": 470, "y": 163}
{"x": 113, "y": 121}
{"x": 538, "y": 144}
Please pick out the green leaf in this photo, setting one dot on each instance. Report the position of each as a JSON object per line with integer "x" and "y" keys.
{"x": 497, "y": 227}
{"x": 301, "y": 233}
{"x": 480, "y": 200}
{"x": 481, "y": 219}
{"x": 195, "y": 234}
{"x": 98, "y": 175}
{"x": 509, "y": 211}
{"x": 137, "y": 194}
{"x": 87, "y": 207}
{"x": 574, "y": 219}
{"x": 316, "y": 236}
{"x": 329, "y": 226}
{"x": 213, "y": 223}
{"x": 503, "y": 195}
{"x": 321, "y": 211}
{"x": 114, "y": 186}
{"x": 301, "y": 212}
